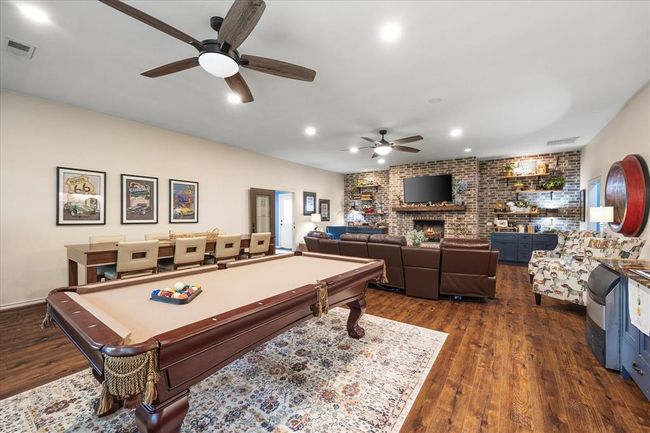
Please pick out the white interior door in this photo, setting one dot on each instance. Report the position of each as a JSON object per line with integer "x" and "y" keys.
{"x": 285, "y": 215}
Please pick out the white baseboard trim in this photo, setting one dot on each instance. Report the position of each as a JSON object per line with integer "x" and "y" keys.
{"x": 21, "y": 304}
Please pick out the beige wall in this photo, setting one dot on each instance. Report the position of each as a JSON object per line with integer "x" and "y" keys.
{"x": 37, "y": 135}
{"x": 628, "y": 133}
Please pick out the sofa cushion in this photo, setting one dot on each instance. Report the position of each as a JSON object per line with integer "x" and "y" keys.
{"x": 387, "y": 239}
{"x": 353, "y": 249}
{"x": 465, "y": 244}
{"x": 355, "y": 237}
{"x": 329, "y": 246}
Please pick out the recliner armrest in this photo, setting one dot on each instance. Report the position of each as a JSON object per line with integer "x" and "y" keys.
{"x": 494, "y": 260}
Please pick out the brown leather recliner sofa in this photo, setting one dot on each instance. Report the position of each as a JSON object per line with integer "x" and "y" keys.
{"x": 464, "y": 267}
{"x": 468, "y": 268}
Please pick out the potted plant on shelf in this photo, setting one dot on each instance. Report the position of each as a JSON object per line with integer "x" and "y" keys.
{"x": 416, "y": 237}
{"x": 521, "y": 206}
{"x": 509, "y": 170}
{"x": 555, "y": 183}
{"x": 519, "y": 185}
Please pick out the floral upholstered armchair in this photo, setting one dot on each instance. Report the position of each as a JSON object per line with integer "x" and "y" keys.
{"x": 563, "y": 273}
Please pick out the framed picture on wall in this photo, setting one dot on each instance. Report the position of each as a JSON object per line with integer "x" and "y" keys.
{"x": 583, "y": 194}
{"x": 308, "y": 203}
{"x": 139, "y": 198}
{"x": 81, "y": 196}
{"x": 324, "y": 209}
{"x": 183, "y": 201}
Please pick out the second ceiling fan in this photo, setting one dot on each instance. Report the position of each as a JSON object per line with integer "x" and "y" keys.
{"x": 219, "y": 56}
{"x": 383, "y": 147}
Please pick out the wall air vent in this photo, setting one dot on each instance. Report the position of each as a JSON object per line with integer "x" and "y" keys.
{"x": 562, "y": 141}
{"x": 19, "y": 48}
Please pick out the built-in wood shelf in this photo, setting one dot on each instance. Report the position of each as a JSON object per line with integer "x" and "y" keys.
{"x": 449, "y": 208}
{"x": 524, "y": 176}
{"x": 518, "y": 213}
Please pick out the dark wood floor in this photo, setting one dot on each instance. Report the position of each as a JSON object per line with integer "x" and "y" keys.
{"x": 507, "y": 365}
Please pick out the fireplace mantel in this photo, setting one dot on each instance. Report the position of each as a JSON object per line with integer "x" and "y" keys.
{"x": 448, "y": 208}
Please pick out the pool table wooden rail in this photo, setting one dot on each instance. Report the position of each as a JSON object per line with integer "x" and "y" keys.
{"x": 191, "y": 353}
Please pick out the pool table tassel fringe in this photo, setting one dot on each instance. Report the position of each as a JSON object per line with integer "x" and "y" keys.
{"x": 47, "y": 322}
{"x": 128, "y": 376}
{"x": 384, "y": 278}
{"x": 322, "y": 302}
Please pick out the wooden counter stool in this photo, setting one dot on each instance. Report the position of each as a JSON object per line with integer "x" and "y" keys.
{"x": 228, "y": 248}
{"x": 188, "y": 252}
{"x": 259, "y": 246}
{"x": 135, "y": 259}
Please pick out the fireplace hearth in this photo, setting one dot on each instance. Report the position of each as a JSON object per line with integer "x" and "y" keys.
{"x": 434, "y": 230}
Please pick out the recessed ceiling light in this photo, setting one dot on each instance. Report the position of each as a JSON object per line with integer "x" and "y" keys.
{"x": 234, "y": 98}
{"x": 469, "y": 149}
{"x": 434, "y": 101}
{"x": 310, "y": 130}
{"x": 33, "y": 13}
{"x": 381, "y": 161}
{"x": 354, "y": 149}
{"x": 390, "y": 32}
{"x": 365, "y": 169}
{"x": 456, "y": 132}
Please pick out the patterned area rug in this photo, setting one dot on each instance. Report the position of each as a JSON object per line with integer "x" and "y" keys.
{"x": 313, "y": 378}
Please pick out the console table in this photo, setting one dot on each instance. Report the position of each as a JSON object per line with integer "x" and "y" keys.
{"x": 519, "y": 247}
{"x": 337, "y": 231}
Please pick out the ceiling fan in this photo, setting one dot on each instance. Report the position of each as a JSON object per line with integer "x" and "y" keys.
{"x": 383, "y": 147}
{"x": 220, "y": 57}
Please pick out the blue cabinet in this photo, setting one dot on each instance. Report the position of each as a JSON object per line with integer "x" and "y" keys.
{"x": 635, "y": 346}
{"x": 519, "y": 247}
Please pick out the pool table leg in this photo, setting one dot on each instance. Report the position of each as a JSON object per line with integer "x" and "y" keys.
{"x": 357, "y": 309}
{"x": 163, "y": 418}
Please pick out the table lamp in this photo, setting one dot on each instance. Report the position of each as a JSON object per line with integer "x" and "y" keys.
{"x": 600, "y": 215}
{"x": 315, "y": 218}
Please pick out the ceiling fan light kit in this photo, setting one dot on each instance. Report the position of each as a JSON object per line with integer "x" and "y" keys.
{"x": 383, "y": 150}
{"x": 218, "y": 64}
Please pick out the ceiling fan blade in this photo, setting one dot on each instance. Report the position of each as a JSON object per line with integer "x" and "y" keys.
{"x": 239, "y": 86}
{"x": 408, "y": 139}
{"x": 279, "y": 68}
{"x": 240, "y": 21}
{"x": 369, "y": 139}
{"x": 374, "y": 155}
{"x": 406, "y": 149}
{"x": 170, "y": 68}
{"x": 153, "y": 22}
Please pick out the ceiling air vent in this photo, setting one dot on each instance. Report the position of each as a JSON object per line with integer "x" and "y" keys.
{"x": 19, "y": 49}
{"x": 562, "y": 141}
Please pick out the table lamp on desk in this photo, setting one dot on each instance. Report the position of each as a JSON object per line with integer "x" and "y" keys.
{"x": 315, "y": 218}
{"x": 601, "y": 215}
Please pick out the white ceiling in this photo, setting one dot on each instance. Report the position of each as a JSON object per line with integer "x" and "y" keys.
{"x": 513, "y": 75}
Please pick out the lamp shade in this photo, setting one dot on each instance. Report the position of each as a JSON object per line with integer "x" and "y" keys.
{"x": 315, "y": 218}
{"x": 604, "y": 214}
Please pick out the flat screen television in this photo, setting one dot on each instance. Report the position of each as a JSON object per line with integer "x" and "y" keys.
{"x": 424, "y": 189}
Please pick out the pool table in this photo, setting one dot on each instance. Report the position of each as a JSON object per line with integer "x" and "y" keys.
{"x": 241, "y": 306}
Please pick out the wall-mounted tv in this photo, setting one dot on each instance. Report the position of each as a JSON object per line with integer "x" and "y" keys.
{"x": 424, "y": 189}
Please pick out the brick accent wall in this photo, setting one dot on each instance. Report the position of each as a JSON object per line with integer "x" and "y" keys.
{"x": 484, "y": 189}
{"x": 567, "y": 202}
{"x": 457, "y": 224}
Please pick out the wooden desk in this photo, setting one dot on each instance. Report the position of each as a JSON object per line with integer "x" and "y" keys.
{"x": 93, "y": 255}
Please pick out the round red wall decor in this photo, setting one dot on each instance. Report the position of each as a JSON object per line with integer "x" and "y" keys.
{"x": 628, "y": 190}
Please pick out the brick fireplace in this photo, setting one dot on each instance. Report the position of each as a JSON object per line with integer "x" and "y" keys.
{"x": 434, "y": 230}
